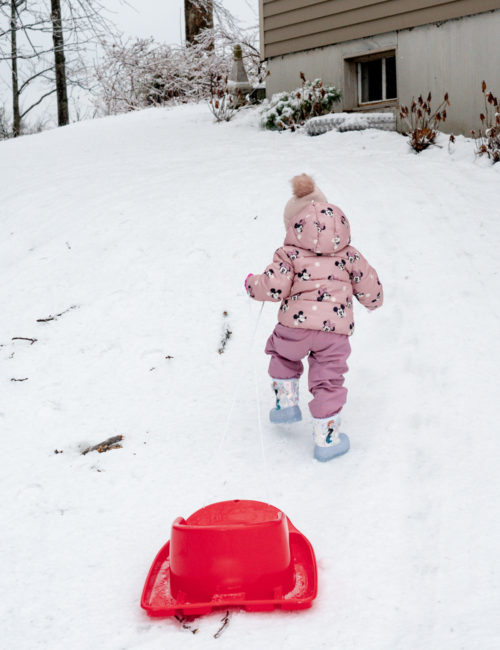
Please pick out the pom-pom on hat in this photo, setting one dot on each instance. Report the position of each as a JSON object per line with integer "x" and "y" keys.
{"x": 305, "y": 191}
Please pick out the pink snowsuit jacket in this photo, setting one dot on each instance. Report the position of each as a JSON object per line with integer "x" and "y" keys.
{"x": 316, "y": 273}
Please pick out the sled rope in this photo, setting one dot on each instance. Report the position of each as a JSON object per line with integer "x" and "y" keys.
{"x": 237, "y": 387}
{"x": 259, "y": 416}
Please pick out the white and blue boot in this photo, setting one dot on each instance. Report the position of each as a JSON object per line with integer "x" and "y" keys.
{"x": 328, "y": 442}
{"x": 287, "y": 401}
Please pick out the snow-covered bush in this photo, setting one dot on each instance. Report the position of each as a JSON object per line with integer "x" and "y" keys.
{"x": 141, "y": 73}
{"x": 289, "y": 110}
{"x": 488, "y": 138}
{"x": 422, "y": 124}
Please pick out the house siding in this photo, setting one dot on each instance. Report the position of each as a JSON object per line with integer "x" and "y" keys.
{"x": 289, "y": 26}
{"x": 453, "y": 56}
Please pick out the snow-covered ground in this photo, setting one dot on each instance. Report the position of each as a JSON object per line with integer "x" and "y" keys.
{"x": 147, "y": 225}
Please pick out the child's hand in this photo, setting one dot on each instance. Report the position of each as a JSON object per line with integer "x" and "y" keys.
{"x": 246, "y": 280}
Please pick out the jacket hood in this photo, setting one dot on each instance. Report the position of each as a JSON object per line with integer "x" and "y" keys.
{"x": 321, "y": 228}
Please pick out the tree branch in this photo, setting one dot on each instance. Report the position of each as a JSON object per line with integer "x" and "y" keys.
{"x": 51, "y": 92}
{"x": 30, "y": 79}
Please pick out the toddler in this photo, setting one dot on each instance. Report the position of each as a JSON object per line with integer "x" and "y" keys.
{"x": 315, "y": 275}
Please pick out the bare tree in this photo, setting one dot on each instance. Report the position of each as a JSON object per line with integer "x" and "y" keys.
{"x": 76, "y": 27}
{"x": 51, "y": 39}
{"x": 16, "y": 115}
{"x": 21, "y": 22}
{"x": 59, "y": 63}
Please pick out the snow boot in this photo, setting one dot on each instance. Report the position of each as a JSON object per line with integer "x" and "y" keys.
{"x": 328, "y": 442}
{"x": 287, "y": 401}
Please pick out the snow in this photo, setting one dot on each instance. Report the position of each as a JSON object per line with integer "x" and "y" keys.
{"x": 147, "y": 224}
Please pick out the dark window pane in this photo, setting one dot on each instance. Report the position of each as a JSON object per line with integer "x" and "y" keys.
{"x": 390, "y": 78}
{"x": 371, "y": 81}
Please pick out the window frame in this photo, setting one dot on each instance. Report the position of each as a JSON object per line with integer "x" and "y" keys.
{"x": 384, "y": 97}
{"x": 353, "y": 80}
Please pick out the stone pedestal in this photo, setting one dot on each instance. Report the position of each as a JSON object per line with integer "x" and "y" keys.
{"x": 238, "y": 84}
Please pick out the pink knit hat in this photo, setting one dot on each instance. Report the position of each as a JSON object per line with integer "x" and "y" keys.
{"x": 304, "y": 192}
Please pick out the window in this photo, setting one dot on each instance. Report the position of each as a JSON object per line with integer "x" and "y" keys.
{"x": 376, "y": 79}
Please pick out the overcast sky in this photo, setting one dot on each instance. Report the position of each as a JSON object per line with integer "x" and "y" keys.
{"x": 164, "y": 19}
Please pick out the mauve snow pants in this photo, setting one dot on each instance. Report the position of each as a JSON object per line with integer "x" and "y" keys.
{"x": 327, "y": 354}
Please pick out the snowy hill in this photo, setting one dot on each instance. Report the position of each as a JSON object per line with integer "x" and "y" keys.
{"x": 135, "y": 233}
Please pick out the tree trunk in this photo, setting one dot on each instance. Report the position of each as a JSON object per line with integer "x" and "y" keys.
{"x": 16, "y": 115}
{"x": 60, "y": 64}
{"x": 198, "y": 15}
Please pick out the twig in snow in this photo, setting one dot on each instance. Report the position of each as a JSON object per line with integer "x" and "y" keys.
{"x": 225, "y": 623}
{"x": 105, "y": 445}
{"x": 14, "y": 379}
{"x": 56, "y": 316}
{"x": 24, "y": 338}
{"x": 182, "y": 620}
{"x": 225, "y": 336}
{"x": 169, "y": 357}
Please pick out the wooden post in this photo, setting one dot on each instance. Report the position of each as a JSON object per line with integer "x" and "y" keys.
{"x": 198, "y": 15}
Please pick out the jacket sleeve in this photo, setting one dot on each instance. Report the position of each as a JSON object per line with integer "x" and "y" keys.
{"x": 276, "y": 281}
{"x": 365, "y": 283}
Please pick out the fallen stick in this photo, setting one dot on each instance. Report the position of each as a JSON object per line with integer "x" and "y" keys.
{"x": 226, "y": 335}
{"x": 225, "y": 623}
{"x": 105, "y": 445}
{"x": 24, "y": 338}
{"x": 49, "y": 318}
{"x": 186, "y": 621}
{"x": 225, "y": 338}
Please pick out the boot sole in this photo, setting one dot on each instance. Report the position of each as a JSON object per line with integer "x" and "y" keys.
{"x": 285, "y": 416}
{"x": 324, "y": 454}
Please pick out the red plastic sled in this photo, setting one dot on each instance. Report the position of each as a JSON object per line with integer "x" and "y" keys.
{"x": 232, "y": 554}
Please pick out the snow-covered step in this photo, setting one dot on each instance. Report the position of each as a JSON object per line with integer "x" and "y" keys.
{"x": 350, "y": 122}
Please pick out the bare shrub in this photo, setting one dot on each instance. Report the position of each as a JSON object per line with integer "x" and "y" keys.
{"x": 5, "y": 128}
{"x": 488, "y": 137}
{"x": 222, "y": 104}
{"x": 423, "y": 124}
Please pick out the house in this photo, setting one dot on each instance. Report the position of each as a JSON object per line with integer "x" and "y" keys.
{"x": 381, "y": 53}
